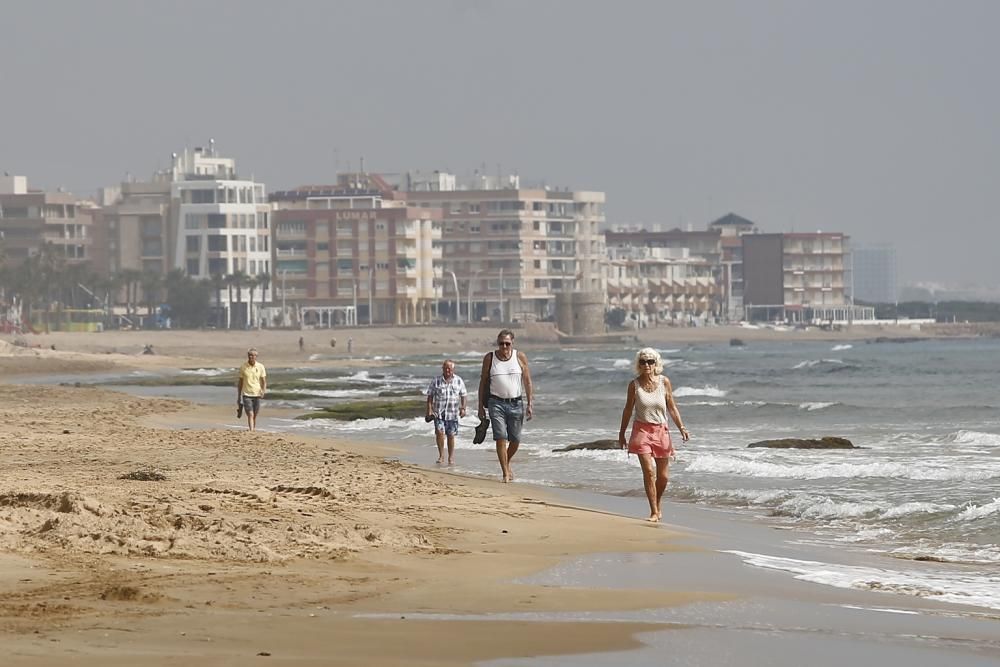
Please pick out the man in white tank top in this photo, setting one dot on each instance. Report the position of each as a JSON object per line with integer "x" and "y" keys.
{"x": 505, "y": 392}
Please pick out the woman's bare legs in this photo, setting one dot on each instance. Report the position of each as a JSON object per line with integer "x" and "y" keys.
{"x": 649, "y": 482}
{"x": 662, "y": 477}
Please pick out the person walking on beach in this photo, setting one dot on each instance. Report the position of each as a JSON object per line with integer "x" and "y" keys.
{"x": 651, "y": 398}
{"x": 446, "y": 397}
{"x": 505, "y": 391}
{"x": 251, "y": 387}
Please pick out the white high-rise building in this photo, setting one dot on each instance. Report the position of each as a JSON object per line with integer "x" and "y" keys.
{"x": 197, "y": 216}
{"x": 223, "y": 228}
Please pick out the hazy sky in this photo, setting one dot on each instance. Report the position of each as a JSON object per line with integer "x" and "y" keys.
{"x": 878, "y": 118}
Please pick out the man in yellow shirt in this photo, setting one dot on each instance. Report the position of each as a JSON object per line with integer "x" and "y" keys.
{"x": 251, "y": 387}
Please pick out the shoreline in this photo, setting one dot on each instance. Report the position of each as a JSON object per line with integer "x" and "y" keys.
{"x": 178, "y": 349}
{"x": 438, "y": 557}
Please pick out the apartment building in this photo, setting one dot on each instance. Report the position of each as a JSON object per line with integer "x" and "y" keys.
{"x": 200, "y": 217}
{"x": 732, "y": 227}
{"x": 507, "y": 249}
{"x": 665, "y": 275}
{"x": 661, "y": 284}
{"x": 30, "y": 219}
{"x": 347, "y": 254}
{"x": 797, "y": 277}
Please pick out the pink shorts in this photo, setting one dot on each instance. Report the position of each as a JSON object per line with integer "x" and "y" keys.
{"x": 652, "y": 439}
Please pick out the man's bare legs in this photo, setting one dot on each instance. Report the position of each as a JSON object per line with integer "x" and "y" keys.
{"x": 451, "y": 449}
{"x": 251, "y": 420}
{"x": 504, "y": 454}
{"x": 439, "y": 435}
{"x": 649, "y": 481}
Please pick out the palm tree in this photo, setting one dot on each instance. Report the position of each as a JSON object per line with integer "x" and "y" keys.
{"x": 252, "y": 283}
{"x": 264, "y": 280}
{"x": 36, "y": 278}
{"x": 218, "y": 282}
{"x": 237, "y": 279}
{"x": 129, "y": 279}
{"x": 151, "y": 282}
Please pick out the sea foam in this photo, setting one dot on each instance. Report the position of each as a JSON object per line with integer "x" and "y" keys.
{"x": 707, "y": 390}
{"x": 960, "y": 588}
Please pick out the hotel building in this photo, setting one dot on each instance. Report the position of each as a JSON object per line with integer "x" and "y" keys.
{"x": 349, "y": 254}
{"x": 30, "y": 219}
{"x": 507, "y": 249}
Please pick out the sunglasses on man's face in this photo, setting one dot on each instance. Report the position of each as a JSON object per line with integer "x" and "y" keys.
{"x": 647, "y": 362}
{"x": 504, "y": 344}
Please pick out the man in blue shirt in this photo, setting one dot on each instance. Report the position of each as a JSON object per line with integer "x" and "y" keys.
{"x": 445, "y": 405}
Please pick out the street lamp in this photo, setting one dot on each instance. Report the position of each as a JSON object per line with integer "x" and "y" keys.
{"x": 284, "y": 314}
{"x": 458, "y": 295}
{"x": 371, "y": 289}
{"x": 501, "y": 296}
{"x": 354, "y": 314}
{"x": 471, "y": 283}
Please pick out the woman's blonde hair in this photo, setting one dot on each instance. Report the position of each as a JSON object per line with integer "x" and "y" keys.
{"x": 648, "y": 353}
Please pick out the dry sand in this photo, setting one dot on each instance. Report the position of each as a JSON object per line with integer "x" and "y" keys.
{"x": 262, "y": 543}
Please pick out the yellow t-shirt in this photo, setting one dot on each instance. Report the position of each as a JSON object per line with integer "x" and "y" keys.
{"x": 251, "y": 376}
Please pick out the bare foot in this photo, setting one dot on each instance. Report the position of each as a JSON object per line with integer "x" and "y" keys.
{"x": 440, "y": 462}
{"x": 451, "y": 462}
{"x": 653, "y": 518}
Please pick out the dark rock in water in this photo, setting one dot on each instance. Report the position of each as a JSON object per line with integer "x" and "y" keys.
{"x": 806, "y": 443}
{"x": 403, "y": 408}
{"x": 594, "y": 444}
{"x": 895, "y": 339}
{"x": 736, "y": 342}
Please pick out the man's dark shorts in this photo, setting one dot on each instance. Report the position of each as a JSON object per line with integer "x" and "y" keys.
{"x": 506, "y": 418}
{"x": 251, "y": 404}
{"x": 449, "y": 426}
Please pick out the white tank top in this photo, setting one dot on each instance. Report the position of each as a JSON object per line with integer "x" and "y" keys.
{"x": 651, "y": 406}
{"x": 505, "y": 377}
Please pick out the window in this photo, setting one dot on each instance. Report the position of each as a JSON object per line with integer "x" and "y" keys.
{"x": 193, "y": 244}
{"x": 217, "y": 267}
{"x": 150, "y": 226}
{"x": 217, "y": 243}
{"x": 193, "y": 221}
{"x": 253, "y": 244}
{"x": 192, "y": 266}
{"x": 152, "y": 247}
{"x": 345, "y": 265}
{"x": 322, "y": 246}
{"x": 216, "y": 220}
{"x": 203, "y": 197}
{"x": 253, "y": 267}
{"x": 292, "y": 227}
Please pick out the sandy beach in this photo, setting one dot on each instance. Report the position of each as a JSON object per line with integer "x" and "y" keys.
{"x": 145, "y": 529}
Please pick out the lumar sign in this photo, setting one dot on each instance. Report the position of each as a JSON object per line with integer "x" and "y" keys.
{"x": 354, "y": 215}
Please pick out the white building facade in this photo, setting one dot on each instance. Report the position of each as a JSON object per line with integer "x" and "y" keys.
{"x": 223, "y": 232}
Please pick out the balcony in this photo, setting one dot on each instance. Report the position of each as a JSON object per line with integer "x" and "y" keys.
{"x": 290, "y": 252}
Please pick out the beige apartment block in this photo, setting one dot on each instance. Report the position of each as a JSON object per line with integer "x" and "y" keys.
{"x": 507, "y": 250}
{"x": 343, "y": 255}
{"x": 656, "y": 285}
{"x": 798, "y": 277}
{"x": 30, "y": 219}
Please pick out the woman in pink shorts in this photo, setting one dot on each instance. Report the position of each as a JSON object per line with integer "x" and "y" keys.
{"x": 651, "y": 398}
